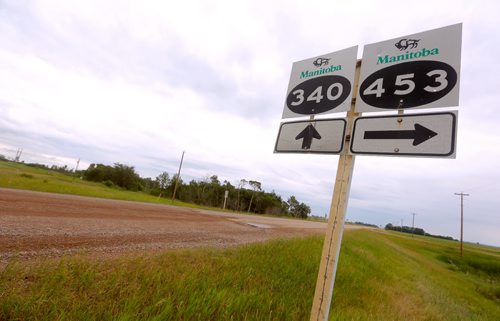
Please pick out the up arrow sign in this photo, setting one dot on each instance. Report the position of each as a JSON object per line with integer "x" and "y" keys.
{"x": 419, "y": 135}
{"x": 307, "y": 136}
{"x": 309, "y": 139}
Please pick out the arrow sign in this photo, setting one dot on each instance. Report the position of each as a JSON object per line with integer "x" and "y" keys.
{"x": 309, "y": 140}
{"x": 307, "y": 136}
{"x": 419, "y": 135}
{"x": 416, "y": 135}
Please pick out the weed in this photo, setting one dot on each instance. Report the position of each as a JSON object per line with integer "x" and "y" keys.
{"x": 381, "y": 276}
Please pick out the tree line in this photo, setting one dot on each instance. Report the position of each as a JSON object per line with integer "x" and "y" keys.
{"x": 416, "y": 230}
{"x": 244, "y": 196}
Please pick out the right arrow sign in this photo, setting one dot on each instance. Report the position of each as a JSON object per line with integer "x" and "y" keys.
{"x": 419, "y": 135}
{"x": 426, "y": 135}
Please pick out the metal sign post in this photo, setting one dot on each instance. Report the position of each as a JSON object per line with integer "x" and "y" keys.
{"x": 331, "y": 247}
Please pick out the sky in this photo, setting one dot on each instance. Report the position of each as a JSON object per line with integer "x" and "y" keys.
{"x": 139, "y": 82}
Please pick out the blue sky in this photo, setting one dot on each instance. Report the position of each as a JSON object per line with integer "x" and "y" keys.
{"x": 139, "y": 82}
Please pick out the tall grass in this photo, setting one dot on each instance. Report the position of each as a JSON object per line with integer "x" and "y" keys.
{"x": 391, "y": 276}
{"x": 259, "y": 282}
{"x": 381, "y": 276}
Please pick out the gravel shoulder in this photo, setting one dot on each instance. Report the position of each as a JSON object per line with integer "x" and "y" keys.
{"x": 34, "y": 224}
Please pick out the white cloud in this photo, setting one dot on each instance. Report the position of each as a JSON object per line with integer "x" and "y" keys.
{"x": 118, "y": 81}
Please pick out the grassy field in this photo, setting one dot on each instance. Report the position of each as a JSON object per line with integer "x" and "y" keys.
{"x": 381, "y": 276}
{"x": 19, "y": 176}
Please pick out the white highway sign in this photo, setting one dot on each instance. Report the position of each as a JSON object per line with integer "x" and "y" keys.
{"x": 421, "y": 70}
{"x": 321, "y": 85}
{"x": 323, "y": 136}
{"x": 425, "y": 135}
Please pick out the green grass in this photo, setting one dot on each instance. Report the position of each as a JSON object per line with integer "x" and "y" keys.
{"x": 249, "y": 282}
{"x": 381, "y": 276}
{"x": 405, "y": 278}
{"x": 19, "y": 176}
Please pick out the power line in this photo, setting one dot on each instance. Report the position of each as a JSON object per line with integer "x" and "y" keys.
{"x": 462, "y": 221}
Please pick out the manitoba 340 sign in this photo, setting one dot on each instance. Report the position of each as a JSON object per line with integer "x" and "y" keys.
{"x": 321, "y": 85}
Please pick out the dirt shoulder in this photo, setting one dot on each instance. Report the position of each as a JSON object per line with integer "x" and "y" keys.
{"x": 43, "y": 224}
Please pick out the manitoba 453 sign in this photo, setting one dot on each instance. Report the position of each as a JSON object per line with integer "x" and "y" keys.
{"x": 321, "y": 85}
{"x": 415, "y": 71}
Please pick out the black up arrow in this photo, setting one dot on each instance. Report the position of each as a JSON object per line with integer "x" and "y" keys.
{"x": 308, "y": 134}
{"x": 419, "y": 135}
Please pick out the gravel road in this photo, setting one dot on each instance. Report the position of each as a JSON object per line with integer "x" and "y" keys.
{"x": 34, "y": 224}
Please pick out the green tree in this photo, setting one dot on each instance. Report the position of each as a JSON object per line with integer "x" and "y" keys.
{"x": 98, "y": 173}
{"x": 297, "y": 209}
{"x": 126, "y": 177}
{"x": 302, "y": 211}
{"x": 163, "y": 181}
{"x": 256, "y": 186}
{"x": 241, "y": 184}
{"x": 291, "y": 204}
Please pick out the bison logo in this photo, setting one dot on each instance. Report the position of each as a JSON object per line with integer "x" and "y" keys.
{"x": 321, "y": 62}
{"x": 404, "y": 44}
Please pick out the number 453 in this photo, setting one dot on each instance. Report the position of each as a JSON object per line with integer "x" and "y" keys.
{"x": 405, "y": 84}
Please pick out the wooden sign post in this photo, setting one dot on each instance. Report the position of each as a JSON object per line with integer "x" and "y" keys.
{"x": 331, "y": 247}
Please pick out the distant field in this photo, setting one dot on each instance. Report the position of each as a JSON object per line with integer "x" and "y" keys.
{"x": 381, "y": 276}
{"x": 19, "y": 176}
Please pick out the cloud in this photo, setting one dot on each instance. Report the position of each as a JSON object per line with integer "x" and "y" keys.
{"x": 115, "y": 81}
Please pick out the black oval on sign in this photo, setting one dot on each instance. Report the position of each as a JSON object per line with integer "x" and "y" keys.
{"x": 428, "y": 87}
{"x": 315, "y": 105}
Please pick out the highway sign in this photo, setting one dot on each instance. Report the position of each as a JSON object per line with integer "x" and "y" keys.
{"x": 425, "y": 135}
{"x": 323, "y": 136}
{"x": 321, "y": 85}
{"x": 421, "y": 70}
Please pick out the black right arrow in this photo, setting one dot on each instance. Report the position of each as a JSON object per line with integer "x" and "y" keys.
{"x": 308, "y": 134}
{"x": 419, "y": 135}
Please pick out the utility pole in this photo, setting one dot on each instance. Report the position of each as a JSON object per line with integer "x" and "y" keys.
{"x": 77, "y": 164}
{"x": 462, "y": 222}
{"x": 413, "y": 224}
{"x": 178, "y": 177}
{"x": 226, "y": 194}
{"x": 401, "y": 225}
{"x": 18, "y": 155}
